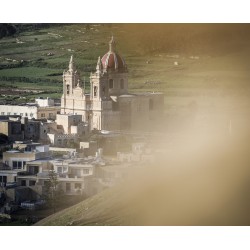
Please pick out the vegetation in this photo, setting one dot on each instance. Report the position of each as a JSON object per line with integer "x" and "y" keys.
{"x": 34, "y": 57}
{"x": 53, "y": 194}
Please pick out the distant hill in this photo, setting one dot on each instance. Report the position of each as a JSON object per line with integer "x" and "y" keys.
{"x": 182, "y": 60}
{"x": 175, "y": 38}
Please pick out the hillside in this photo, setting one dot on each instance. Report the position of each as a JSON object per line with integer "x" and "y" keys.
{"x": 200, "y": 182}
{"x": 102, "y": 209}
{"x": 184, "y": 61}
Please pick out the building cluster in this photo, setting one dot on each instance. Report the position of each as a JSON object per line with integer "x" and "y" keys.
{"x": 73, "y": 138}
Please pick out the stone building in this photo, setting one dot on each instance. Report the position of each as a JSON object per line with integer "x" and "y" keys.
{"x": 11, "y": 128}
{"x": 109, "y": 105}
{"x": 17, "y": 128}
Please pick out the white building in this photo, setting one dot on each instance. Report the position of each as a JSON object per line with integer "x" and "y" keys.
{"x": 41, "y": 102}
{"x": 15, "y": 161}
{"x": 42, "y": 109}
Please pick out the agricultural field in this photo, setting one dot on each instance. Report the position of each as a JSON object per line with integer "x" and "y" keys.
{"x": 32, "y": 63}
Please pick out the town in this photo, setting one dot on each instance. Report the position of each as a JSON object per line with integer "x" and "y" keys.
{"x": 103, "y": 132}
{"x": 77, "y": 146}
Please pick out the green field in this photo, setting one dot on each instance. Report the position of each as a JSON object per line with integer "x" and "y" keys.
{"x": 35, "y": 59}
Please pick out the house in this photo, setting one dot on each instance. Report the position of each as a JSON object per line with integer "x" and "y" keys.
{"x": 72, "y": 174}
{"x": 17, "y": 128}
{"x": 15, "y": 160}
{"x": 11, "y": 127}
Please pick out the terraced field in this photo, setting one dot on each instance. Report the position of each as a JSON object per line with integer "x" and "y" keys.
{"x": 34, "y": 61}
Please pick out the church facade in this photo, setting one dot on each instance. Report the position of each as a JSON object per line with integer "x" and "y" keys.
{"x": 109, "y": 105}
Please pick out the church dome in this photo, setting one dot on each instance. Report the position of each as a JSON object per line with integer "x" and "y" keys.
{"x": 112, "y": 60}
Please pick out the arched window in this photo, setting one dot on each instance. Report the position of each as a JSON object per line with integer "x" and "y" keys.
{"x": 111, "y": 83}
{"x": 95, "y": 90}
{"x": 67, "y": 89}
{"x": 122, "y": 84}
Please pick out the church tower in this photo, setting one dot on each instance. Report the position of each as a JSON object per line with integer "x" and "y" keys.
{"x": 109, "y": 81}
{"x": 74, "y": 100}
{"x": 70, "y": 78}
{"x": 98, "y": 96}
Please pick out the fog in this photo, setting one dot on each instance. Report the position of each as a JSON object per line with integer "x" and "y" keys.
{"x": 201, "y": 176}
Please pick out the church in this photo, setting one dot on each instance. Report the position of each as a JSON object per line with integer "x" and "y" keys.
{"x": 109, "y": 105}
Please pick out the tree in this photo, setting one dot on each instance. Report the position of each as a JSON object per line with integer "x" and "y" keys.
{"x": 52, "y": 193}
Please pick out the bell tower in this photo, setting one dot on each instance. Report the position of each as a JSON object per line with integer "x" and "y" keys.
{"x": 97, "y": 83}
{"x": 70, "y": 78}
{"x": 71, "y": 83}
{"x": 98, "y": 95}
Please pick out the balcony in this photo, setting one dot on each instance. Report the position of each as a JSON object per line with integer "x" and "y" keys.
{"x": 4, "y": 167}
{"x": 25, "y": 173}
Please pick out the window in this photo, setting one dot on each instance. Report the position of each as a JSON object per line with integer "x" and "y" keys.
{"x": 8, "y": 113}
{"x": 26, "y": 114}
{"x": 31, "y": 128}
{"x": 122, "y": 84}
{"x": 68, "y": 89}
{"x": 33, "y": 170}
{"x": 50, "y": 115}
{"x": 17, "y": 164}
{"x": 2, "y": 113}
{"x": 21, "y": 114}
{"x": 14, "y": 164}
{"x": 23, "y": 182}
{"x": 42, "y": 115}
{"x": 111, "y": 83}
{"x": 95, "y": 90}
{"x": 3, "y": 180}
{"x": 15, "y": 113}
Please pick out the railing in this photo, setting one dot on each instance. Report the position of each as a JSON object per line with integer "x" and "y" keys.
{"x": 26, "y": 174}
{"x": 5, "y": 167}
